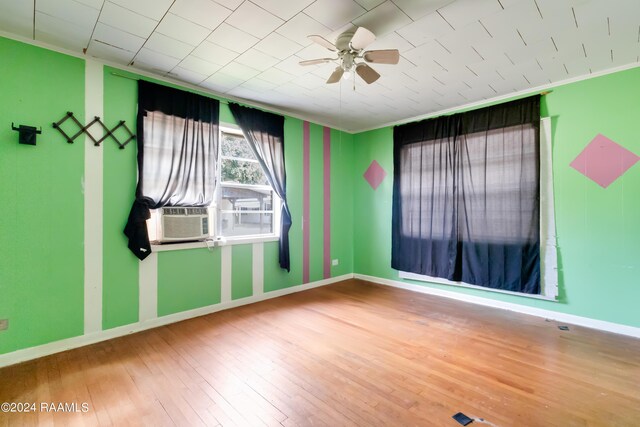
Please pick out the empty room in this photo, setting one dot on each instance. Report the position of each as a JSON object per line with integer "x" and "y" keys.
{"x": 320, "y": 213}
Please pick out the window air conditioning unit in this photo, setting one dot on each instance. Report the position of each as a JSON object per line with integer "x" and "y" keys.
{"x": 182, "y": 224}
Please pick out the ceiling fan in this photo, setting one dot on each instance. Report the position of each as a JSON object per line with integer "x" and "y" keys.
{"x": 349, "y": 47}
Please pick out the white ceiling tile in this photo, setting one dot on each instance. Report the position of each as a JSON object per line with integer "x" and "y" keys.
{"x": 369, "y": 4}
{"x": 198, "y": 65}
{"x": 625, "y": 31}
{"x": 460, "y": 42}
{"x": 416, "y": 9}
{"x": 16, "y": 16}
{"x": 254, "y": 20}
{"x": 283, "y": 9}
{"x": 275, "y": 76}
{"x": 230, "y": 4}
{"x": 60, "y": 32}
{"x": 96, "y": 4}
{"x": 525, "y": 17}
{"x": 425, "y": 54}
{"x": 300, "y": 26}
{"x": 291, "y": 65}
{"x": 213, "y": 53}
{"x": 110, "y": 53}
{"x": 425, "y": 30}
{"x": 255, "y": 59}
{"x": 154, "y": 60}
{"x": 68, "y": 10}
{"x": 221, "y": 82}
{"x": 569, "y": 44}
{"x": 240, "y": 71}
{"x": 244, "y": 93}
{"x": 278, "y": 46}
{"x": 182, "y": 29}
{"x": 232, "y": 38}
{"x": 494, "y": 48}
{"x": 126, "y": 20}
{"x": 510, "y": 3}
{"x": 626, "y": 53}
{"x": 168, "y": 46}
{"x": 324, "y": 70}
{"x": 462, "y": 12}
{"x": 488, "y": 67}
{"x": 383, "y": 19}
{"x": 314, "y": 51}
{"x": 334, "y": 13}
{"x": 117, "y": 38}
{"x": 188, "y": 76}
{"x": 309, "y": 81}
{"x": 154, "y": 9}
{"x": 576, "y": 67}
{"x": 206, "y": 13}
{"x": 258, "y": 85}
{"x": 391, "y": 41}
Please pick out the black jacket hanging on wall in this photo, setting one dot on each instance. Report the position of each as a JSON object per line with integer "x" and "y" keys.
{"x": 177, "y": 155}
{"x": 466, "y": 197}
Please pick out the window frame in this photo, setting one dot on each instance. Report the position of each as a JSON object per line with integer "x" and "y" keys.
{"x": 215, "y": 208}
{"x": 214, "y": 212}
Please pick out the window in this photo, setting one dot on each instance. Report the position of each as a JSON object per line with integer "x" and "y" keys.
{"x": 244, "y": 204}
{"x": 245, "y": 200}
{"x": 466, "y": 205}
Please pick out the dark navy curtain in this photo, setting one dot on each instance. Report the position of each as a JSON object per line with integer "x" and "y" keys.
{"x": 177, "y": 155}
{"x": 466, "y": 197}
{"x": 265, "y": 134}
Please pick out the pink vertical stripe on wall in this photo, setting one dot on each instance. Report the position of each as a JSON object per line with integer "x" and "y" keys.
{"x": 306, "y": 191}
{"x": 326, "y": 157}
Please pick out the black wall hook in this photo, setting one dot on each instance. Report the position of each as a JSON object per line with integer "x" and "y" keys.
{"x": 27, "y": 134}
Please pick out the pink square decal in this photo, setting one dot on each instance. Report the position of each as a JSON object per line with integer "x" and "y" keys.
{"x": 603, "y": 161}
{"x": 375, "y": 174}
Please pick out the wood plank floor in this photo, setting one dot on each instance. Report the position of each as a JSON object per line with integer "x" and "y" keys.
{"x": 348, "y": 354}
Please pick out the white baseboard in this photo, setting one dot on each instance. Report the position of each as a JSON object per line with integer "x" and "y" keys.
{"x": 533, "y": 311}
{"x": 23, "y": 355}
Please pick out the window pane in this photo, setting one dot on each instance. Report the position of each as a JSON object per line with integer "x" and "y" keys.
{"x": 236, "y": 146}
{"x": 243, "y": 172}
{"x": 245, "y": 223}
{"x": 247, "y": 218}
{"x": 245, "y": 199}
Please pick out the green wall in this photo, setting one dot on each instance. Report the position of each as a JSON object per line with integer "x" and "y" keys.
{"x": 42, "y": 262}
{"x": 597, "y": 229}
{"x": 41, "y": 188}
{"x": 188, "y": 279}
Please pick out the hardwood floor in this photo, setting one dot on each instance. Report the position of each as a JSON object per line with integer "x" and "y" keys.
{"x": 348, "y": 354}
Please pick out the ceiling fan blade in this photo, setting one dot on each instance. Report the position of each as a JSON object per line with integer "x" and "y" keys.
{"x": 367, "y": 73}
{"x": 362, "y": 38}
{"x": 322, "y": 42}
{"x": 336, "y": 75}
{"x": 316, "y": 61}
{"x": 387, "y": 56}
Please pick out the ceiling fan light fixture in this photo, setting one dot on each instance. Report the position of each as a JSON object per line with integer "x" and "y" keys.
{"x": 349, "y": 47}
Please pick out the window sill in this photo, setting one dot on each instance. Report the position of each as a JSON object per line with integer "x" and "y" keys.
{"x": 440, "y": 281}
{"x": 213, "y": 243}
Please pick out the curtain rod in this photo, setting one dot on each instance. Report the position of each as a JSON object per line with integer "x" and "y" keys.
{"x": 222, "y": 101}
